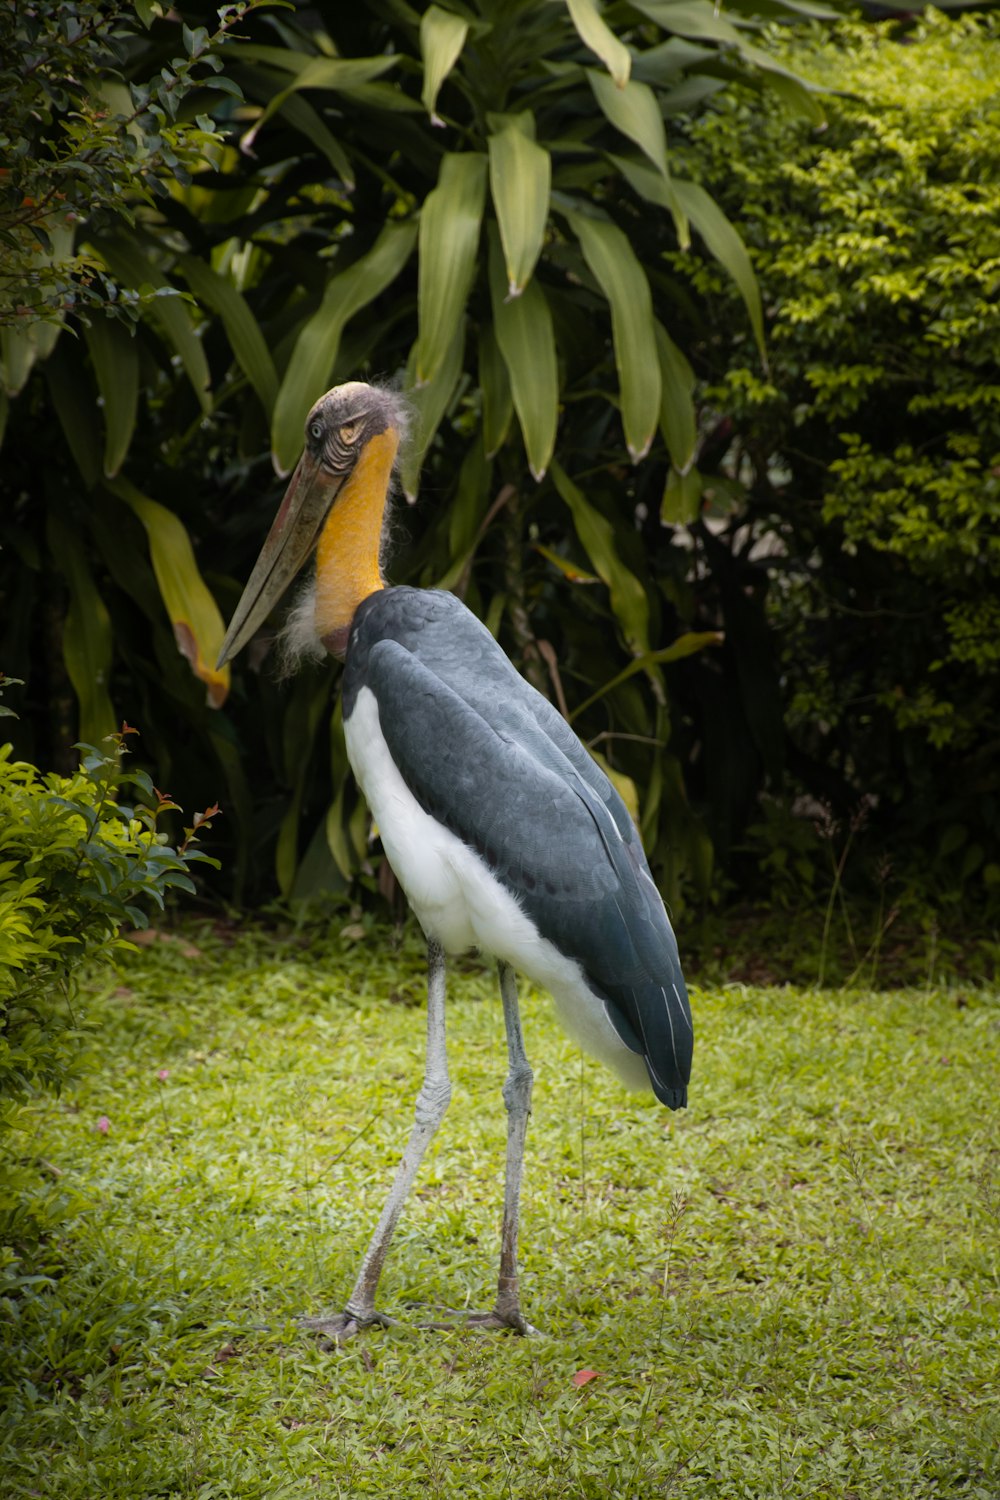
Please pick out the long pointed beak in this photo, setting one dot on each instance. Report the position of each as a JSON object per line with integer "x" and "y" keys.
{"x": 307, "y": 503}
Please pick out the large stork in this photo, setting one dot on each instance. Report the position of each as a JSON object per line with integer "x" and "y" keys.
{"x": 501, "y": 829}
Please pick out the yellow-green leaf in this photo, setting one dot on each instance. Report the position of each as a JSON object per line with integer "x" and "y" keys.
{"x": 677, "y": 416}
{"x": 116, "y": 365}
{"x": 245, "y": 338}
{"x": 595, "y": 34}
{"x": 520, "y": 180}
{"x": 315, "y": 352}
{"x": 87, "y": 636}
{"x": 167, "y": 308}
{"x": 442, "y": 37}
{"x": 725, "y": 244}
{"x": 428, "y": 401}
{"x": 524, "y": 333}
{"x": 193, "y": 612}
{"x": 633, "y": 111}
{"x": 597, "y": 537}
{"x": 449, "y": 244}
{"x": 656, "y": 187}
{"x": 299, "y": 113}
{"x": 621, "y": 278}
{"x": 684, "y": 645}
{"x": 342, "y": 74}
{"x": 681, "y": 502}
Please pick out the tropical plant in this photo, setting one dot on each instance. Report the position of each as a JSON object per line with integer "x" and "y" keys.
{"x": 479, "y": 203}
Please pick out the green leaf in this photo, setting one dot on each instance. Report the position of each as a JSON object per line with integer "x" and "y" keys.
{"x": 595, "y": 34}
{"x": 597, "y": 537}
{"x": 116, "y": 365}
{"x": 193, "y": 612}
{"x": 428, "y": 401}
{"x": 246, "y": 340}
{"x": 677, "y": 415}
{"x": 621, "y": 278}
{"x": 655, "y": 187}
{"x": 173, "y": 315}
{"x": 342, "y": 74}
{"x": 308, "y": 373}
{"x": 524, "y": 334}
{"x": 684, "y": 645}
{"x": 690, "y": 18}
{"x": 449, "y": 244}
{"x": 494, "y": 383}
{"x": 634, "y": 112}
{"x": 681, "y": 504}
{"x": 301, "y": 115}
{"x": 442, "y": 37}
{"x": 725, "y": 245}
{"x": 87, "y": 635}
{"x": 72, "y": 397}
{"x": 520, "y": 181}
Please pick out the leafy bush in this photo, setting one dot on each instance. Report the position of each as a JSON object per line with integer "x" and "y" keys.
{"x": 855, "y": 488}
{"x": 76, "y": 865}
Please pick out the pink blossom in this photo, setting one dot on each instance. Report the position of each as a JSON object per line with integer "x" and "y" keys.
{"x": 104, "y": 1124}
{"x": 163, "y": 1074}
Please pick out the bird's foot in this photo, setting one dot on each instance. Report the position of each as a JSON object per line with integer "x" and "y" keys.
{"x": 506, "y": 1320}
{"x": 339, "y": 1327}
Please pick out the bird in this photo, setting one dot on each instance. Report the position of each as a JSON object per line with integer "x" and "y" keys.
{"x": 502, "y": 830}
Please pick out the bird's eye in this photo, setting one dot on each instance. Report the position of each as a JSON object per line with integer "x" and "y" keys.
{"x": 349, "y": 432}
{"x": 316, "y": 430}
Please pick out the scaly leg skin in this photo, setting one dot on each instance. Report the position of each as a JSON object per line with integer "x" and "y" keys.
{"x": 432, "y": 1102}
{"x": 507, "y": 1312}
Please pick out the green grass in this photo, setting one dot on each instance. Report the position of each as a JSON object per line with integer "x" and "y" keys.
{"x": 789, "y": 1290}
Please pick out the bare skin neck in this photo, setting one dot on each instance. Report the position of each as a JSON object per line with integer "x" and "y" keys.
{"x": 347, "y": 554}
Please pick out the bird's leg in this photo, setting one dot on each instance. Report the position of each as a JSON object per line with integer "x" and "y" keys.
{"x": 517, "y": 1097}
{"x": 432, "y": 1101}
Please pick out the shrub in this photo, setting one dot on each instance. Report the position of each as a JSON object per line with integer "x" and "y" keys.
{"x": 857, "y": 485}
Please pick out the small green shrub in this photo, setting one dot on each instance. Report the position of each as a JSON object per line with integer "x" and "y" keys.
{"x": 76, "y": 865}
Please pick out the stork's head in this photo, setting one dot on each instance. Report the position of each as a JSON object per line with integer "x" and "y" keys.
{"x": 336, "y": 497}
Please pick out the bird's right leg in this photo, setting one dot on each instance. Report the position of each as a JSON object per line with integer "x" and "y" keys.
{"x": 432, "y": 1101}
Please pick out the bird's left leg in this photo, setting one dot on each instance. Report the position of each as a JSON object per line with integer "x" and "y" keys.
{"x": 517, "y": 1097}
{"x": 432, "y": 1101}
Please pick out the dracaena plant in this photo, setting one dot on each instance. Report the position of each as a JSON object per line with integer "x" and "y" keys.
{"x": 476, "y": 201}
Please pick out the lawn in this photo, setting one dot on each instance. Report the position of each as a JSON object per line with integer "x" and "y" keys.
{"x": 790, "y": 1289}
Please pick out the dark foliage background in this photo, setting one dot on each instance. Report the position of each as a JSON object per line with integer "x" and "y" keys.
{"x": 351, "y": 198}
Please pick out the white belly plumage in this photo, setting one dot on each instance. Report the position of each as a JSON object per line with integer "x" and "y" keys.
{"x": 459, "y": 901}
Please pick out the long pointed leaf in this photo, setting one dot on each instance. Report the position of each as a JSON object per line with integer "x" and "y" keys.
{"x": 597, "y": 537}
{"x": 71, "y": 397}
{"x": 315, "y": 352}
{"x": 87, "y": 637}
{"x": 442, "y": 37}
{"x": 656, "y": 187}
{"x": 193, "y": 612}
{"x": 429, "y": 401}
{"x": 299, "y": 113}
{"x": 684, "y": 645}
{"x": 524, "y": 333}
{"x": 116, "y": 365}
{"x": 633, "y": 110}
{"x": 677, "y": 416}
{"x": 449, "y": 243}
{"x": 169, "y": 310}
{"x": 725, "y": 244}
{"x": 494, "y": 383}
{"x": 246, "y": 340}
{"x": 342, "y": 74}
{"x": 520, "y": 181}
{"x": 623, "y": 281}
{"x": 595, "y": 34}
